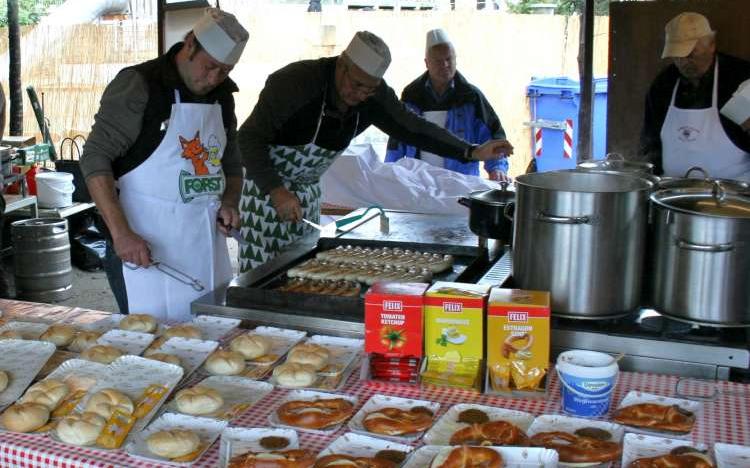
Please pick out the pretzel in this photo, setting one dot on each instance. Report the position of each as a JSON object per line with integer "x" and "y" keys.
{"x": 397, "y": 421}
{"x": 347, "y": 461}
{"x": 490, "y": 433}
{"x": 577, "y": 449}
{"x": 472, "y": 457}
{"x": 316, "y": 414}
{"x": 654, "y": 416}
{"x": 298, "y": 458}
{"x": 684, "y": 460}
{"x": 509, "y": 347}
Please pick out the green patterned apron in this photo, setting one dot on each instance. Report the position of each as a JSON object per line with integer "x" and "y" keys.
{"x": 300, "y": 168}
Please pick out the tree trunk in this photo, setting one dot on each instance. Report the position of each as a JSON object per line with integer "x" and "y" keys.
{"x": 15, "y": 90}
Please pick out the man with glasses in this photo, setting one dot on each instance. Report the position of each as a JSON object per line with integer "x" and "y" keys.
{"x": 305, "y": 117}
{"x": 682, "y": 124}
{"x": 443, "y": 96}
{"x": 163, "y": 167}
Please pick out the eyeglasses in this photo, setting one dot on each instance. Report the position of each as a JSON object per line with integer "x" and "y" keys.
{"x": 358, "y": 86}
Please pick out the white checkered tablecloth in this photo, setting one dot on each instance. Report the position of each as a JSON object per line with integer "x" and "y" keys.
{"x": 725, "y": 419}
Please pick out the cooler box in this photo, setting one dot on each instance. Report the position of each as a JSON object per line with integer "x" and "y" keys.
{"x": 553, "y": 105}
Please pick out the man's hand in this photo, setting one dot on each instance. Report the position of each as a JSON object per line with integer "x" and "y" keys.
{"x": 131, "y": 248}
{"x": 492, "y": 149}
{"x": 287, "y": 204}
{"x": 499, "y": 176}
{"x": 227, "y": 218}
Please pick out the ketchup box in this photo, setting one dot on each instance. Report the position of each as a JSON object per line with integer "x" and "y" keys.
{"x": 394, "y": 319}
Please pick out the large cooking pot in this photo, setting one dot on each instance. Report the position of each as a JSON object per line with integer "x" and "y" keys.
{"x": 491, "y": 213}
{"x": 616, "y": 162}
{"x": 581, "y": 236}
{"x": 705, "y": 182}
{"x": 702, "y": 265}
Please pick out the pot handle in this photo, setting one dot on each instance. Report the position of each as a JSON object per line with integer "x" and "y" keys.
{"x": 547, "y": 218}
{"x": 464, "y": 201}
{"x": 711, "y": 248}
{"x": 509, "y": 210}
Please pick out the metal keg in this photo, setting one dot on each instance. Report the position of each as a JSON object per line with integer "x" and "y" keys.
{"x": 41, "y": 254}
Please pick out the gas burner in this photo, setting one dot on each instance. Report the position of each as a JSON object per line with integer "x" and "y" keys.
{"x": 661, "y": 324}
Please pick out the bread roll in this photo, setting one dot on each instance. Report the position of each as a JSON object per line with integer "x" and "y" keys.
{"x": 173, "y": 443}
{"x": 225, "y": 363}
{"x": 60, "y": 335}
{"x": 49, "y": 393}
{"x": 183, "y": 331}
{"x": 292, "y": 374}
{"x": 308, "y": 353}
{"x": 25, "y": 417}
{"x": 83, "y": 340}
{"x": 105, "y": 402}
{"x": 11, "y": 335}
{"x": 198, "y": 400}
{"x": 251, "y": 346}
{"x": 80, "y": 429}
{"x": 4, "y": 378}
{"x": 103, "y": 354}
{"x": 143, "y": 323}
{"x": 164, "y": 357}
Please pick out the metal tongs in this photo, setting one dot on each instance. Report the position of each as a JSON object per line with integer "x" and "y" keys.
{"x": 172, "y": 272}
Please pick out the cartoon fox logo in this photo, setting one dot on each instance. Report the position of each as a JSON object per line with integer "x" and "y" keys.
{"x": 196, "y": 153}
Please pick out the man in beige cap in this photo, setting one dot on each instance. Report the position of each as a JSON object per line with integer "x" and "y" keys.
{"x": 163, "y": 167}
{"x": 443, "y": 96}
{"x": 682, "y": 125}
{"x": 305, "y": 117}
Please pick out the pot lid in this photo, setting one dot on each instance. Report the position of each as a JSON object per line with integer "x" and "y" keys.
{"x": 495, "y": 197}
{"x": 735, "y": 186}
{"x": 617, "y": 165}
{"x": 705, "y": 202}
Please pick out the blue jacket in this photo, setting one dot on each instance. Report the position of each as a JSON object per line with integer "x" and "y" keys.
{"x": 470, "y": 116}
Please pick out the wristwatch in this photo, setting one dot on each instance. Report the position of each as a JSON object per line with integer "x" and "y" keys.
{"x": 469, "y": 155}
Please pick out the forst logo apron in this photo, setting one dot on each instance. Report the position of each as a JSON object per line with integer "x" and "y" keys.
{"x": 695, "y": 137}
{"x": 300, "y": 168}
{"x": 172, "y": 200}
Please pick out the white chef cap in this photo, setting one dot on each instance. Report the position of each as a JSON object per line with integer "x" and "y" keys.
{"x": 737, "y": 109}
{"x": 436, "y": 37}
{"x": 369, "y": 53}
{"x": 221, "y": 35}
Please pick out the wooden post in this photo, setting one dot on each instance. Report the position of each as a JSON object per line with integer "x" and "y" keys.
{"x": 15, "y": 89}
{"x": 584, "y": 148}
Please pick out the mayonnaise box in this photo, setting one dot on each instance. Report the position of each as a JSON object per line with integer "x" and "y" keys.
{"x": 394, "y": 319}
{"x": 518, "y": 339}
{"x": 454, "y": 320}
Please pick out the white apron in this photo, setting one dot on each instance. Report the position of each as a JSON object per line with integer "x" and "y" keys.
{"x": 695, "y": 137}
{"x": 439, "y": 118}
{"x": 172, "y": 200}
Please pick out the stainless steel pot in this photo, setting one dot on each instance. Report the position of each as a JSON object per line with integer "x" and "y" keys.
{"x": 702, "y": 264}
{"x": 616, "y": 162}
{"x": 491, "y": 213}
{"x": 705, "y": 183}
{"x": 581, "y": 236}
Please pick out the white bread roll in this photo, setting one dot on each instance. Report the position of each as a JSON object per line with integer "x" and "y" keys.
{"x": 60, "y": 335}
{"x": 49, "y": 393}
{"x": 80, "y": 429}
{"x": 308, "y": 353}
{"x": 183, "y": 331}
{"x": 103, "y": 354}
{"x": 198, "y": 400}
{"x": 83, "y": 340}
{"x": 143, "y": 323}
{"x": 11, "y": 335}
{"x": 292, "y": 374}
{"x": 251, "y": 346}
{"x": 25, "y": 417}
{"x": 225, "y": 363}
{"x": 173, "y": 443}
{"x": 164, "y": 357}
{"x": 4, "y": 379}
{"x": 106, "y": 401}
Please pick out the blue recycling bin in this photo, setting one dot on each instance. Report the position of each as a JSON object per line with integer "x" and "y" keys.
{"x": 552, "y": 103}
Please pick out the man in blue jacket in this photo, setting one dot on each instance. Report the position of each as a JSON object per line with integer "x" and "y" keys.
{"x": 443, "y": 96}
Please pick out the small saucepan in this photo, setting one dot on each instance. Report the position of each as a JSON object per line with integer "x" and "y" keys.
{"x": 491, "y": 213}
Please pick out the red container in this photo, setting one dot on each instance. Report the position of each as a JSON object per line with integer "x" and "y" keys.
{"x": 394, "y": 319}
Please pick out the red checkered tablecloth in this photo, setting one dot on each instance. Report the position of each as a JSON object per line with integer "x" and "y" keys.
{"x": 726, "y": 419}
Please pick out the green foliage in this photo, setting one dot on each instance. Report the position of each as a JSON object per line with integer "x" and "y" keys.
{"x": 562, "y": 7}
{"x": 29, "y": 11}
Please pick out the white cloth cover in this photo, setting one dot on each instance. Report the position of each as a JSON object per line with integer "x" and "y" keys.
{"x": 737, "y": 109}
{"x": 358, "y": 178}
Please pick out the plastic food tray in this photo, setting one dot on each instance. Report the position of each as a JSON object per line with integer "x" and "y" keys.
{"x": 377, "y": 402}
{"x": 238, "y": 440}
{"x": 447, "y": 425}
{"x": 307, "y": 395}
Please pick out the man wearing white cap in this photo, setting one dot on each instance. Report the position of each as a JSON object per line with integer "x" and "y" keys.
{"x": 682, "y": 124}
{"x": 443, "y": 96}
{"x": 305, "y": 117}
{"x": 163, "y": 167}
